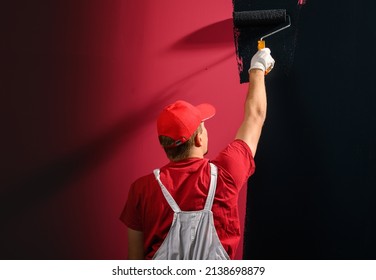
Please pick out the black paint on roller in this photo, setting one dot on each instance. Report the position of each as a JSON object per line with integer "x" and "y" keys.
{"x": 249, "y": 27}
{"x": 259, "y": 18}
{"x": 251, "y": 22}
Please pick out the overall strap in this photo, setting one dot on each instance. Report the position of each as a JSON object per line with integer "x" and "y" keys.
{"x": 209, "y": 200}
{"x": 166, "y": 194}
{"x": 213, "y": 186}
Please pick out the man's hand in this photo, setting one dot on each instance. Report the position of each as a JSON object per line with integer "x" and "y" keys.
{"x": 262, "y": 60}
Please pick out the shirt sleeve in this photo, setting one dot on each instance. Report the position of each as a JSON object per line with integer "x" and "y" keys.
{"x": 237, "y": 161}
{"x": 131, "y": 215}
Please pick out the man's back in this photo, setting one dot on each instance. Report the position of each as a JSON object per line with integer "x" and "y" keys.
{"x": 192, "y": 235}
{"x": 188, "y": 182}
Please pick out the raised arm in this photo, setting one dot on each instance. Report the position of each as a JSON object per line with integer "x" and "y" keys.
{"x": 255, "y": 103}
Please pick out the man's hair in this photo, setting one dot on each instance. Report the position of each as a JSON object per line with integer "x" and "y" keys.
{"x": 179, "y": 152}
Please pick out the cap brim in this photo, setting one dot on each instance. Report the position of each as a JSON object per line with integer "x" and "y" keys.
{"x": 207, "y": 111}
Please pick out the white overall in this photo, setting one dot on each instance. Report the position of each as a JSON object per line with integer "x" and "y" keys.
{"x": 192, "y": 235}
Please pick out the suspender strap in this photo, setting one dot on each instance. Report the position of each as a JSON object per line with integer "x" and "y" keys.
{"x": 166, "y": 194}
{"x": 209, "y": 200}
{"x": 213, "y": 186}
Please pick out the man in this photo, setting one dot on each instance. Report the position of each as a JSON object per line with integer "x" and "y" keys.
{"x": 183, "y": 135}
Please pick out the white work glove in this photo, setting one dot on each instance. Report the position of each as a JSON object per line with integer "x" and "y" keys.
{"x": 262, "y": 60}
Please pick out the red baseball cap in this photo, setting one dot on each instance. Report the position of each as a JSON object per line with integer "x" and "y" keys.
{"x": 181, "y": 119}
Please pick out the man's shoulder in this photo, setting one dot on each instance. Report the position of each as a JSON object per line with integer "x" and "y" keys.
{"x": 143, "y": 181}
{"x": 238, "y": 146}
{"x": 236, "y": 162}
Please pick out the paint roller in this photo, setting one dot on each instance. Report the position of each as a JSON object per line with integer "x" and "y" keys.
{"x": 262, "y": 18}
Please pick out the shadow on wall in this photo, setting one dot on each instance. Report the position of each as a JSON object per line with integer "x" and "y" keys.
{"x": 216, "y": 35}
{"x": 19, "y": 194}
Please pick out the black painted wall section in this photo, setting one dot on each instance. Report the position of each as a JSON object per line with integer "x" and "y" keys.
{"x": 313, "y": 193}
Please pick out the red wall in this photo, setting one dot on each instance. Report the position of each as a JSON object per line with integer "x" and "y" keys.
{"x": 85, "y": 82}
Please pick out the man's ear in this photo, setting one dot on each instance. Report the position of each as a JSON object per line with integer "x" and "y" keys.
{"x": 198, "y": 140}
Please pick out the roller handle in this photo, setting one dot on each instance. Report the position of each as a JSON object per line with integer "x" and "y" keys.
{"x": 260, "y": 46}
